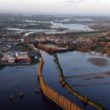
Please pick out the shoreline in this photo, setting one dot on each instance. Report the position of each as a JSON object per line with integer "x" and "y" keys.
{"x": 15, "y": 64}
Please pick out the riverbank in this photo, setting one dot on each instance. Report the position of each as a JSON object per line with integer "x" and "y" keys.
{"x": 34, "y": 62}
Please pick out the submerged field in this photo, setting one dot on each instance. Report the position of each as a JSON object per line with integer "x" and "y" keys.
{"x": 91, "y": 79}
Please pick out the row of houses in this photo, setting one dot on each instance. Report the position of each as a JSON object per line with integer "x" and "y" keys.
{"x": 15, "y": 57}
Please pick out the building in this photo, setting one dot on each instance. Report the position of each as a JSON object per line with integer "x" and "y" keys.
{"x": 8, "y": 58}
{"x": 22, "y": 57}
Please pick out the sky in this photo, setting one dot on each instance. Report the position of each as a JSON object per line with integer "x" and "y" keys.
{"x": 75, "y": 7}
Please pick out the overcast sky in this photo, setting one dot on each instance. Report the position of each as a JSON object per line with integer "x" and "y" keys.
{"x": 75, "y": 7}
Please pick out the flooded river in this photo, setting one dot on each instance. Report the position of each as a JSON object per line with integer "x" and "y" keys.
{"x": 77, "y": 71}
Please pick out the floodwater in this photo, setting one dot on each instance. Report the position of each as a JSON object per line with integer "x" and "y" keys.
{"x": 17, "y": 79}
{"x": 88, "y": 79}
{"x": 79, "y": 73}
{"x": 54, "y": 28}
{"x": 22, "y": 79}
{"x": 50, "y": 75}
{"x": 72, "y": 27}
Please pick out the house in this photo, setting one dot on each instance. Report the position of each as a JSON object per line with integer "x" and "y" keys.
{"x": 8, "y": 58}
{"x": 22, "y": 57}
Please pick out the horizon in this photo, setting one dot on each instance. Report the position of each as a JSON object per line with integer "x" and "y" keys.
{"x": 51, "y": 14}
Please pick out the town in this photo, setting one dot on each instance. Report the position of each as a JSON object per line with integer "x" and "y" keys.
{"x": 15, "y": 48}
{"x": 14, "y": 51}
{"x": 100, "y": 42}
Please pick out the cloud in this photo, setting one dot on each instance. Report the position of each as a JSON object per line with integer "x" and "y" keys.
{"x": 75, "y": 1}
{"x": 84, "y": 1}
{"x": 57, "y": 6}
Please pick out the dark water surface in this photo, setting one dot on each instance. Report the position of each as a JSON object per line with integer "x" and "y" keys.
{"x": 88, "y": 79}
{"x": 16, "y": 79}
